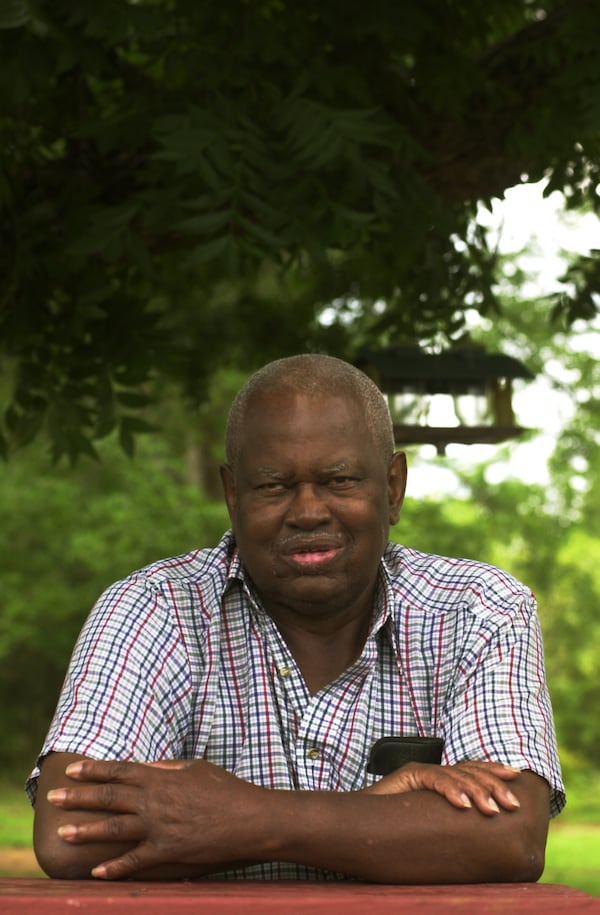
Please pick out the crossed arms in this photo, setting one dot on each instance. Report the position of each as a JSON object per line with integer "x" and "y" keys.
{"x": 473, "y": 822}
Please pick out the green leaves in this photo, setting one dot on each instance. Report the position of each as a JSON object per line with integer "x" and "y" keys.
{"x": 160, "y": 158}
{"x": 13, "y": 13}
{"x": 318, "y": 134}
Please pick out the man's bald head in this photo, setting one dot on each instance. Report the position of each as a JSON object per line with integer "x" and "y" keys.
{"x": 313, "y": 375}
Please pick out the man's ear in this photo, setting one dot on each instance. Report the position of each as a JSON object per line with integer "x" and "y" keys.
{"x": 396, "y": 485}
{"x": 228, "y": 488}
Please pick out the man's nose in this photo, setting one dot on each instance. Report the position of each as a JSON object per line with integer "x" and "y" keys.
{"x": 308, "y": 506}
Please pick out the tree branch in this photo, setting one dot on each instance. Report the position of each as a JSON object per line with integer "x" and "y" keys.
{"x": 522, "y": 97}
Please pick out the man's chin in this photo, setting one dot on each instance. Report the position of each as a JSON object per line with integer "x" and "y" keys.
{"x": 315, "y": 589}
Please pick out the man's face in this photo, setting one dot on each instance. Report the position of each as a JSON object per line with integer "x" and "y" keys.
{"x": 310, "y": 503}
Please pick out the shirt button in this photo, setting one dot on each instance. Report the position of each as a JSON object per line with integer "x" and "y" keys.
{"x": 313, "y": 753}
{"x": 284, "y": 672}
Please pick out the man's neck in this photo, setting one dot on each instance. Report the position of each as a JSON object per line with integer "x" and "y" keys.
{"x": 324, "y": 649}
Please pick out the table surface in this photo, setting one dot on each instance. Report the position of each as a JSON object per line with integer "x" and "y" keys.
{"x": 55, "y": 897}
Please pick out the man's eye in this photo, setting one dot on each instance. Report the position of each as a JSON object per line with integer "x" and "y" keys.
{"x": 271, "y": 487}
{"x": 342, "y": 481}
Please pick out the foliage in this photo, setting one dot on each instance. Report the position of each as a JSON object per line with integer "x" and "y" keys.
{"x": 64, "y": 538}
{"x": 570, "y": 593}
{"x": 186, "y": 184}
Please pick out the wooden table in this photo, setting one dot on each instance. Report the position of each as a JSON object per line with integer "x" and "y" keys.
{"x": 19, "y": 896}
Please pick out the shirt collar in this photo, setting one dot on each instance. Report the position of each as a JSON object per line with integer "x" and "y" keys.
{"x": 236, "y": 569}
{"x": 384, "y": 602}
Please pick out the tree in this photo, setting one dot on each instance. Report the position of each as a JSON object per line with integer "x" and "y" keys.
{"x": 189, "y": 184}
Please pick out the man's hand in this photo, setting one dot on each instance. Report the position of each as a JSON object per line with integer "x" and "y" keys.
{"x": 176, "y": 812}
{"x": 467, "y": 784}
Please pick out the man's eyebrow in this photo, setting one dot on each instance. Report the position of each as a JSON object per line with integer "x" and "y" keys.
{"x": 341, "y": 467}
{"x": 269, "y": 472}
{"x": 330, "y": 470}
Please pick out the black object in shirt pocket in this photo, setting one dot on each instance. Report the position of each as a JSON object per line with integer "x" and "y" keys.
{"x": 390, "y": 753}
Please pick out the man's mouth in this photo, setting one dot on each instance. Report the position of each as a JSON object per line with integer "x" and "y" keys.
{"x": 313, "y": 558}
{"x": 312, "y": 554}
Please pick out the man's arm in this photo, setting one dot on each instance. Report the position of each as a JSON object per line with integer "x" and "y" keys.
{"x": 124, "y": 819}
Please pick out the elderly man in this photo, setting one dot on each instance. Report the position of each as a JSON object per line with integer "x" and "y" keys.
{"x": 220, "y": 706}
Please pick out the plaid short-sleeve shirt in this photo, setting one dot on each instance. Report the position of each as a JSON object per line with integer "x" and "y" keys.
{"x": 179, "y": 660}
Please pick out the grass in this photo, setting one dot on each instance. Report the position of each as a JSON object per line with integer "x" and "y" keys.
{"x": 16, "y": 822}
{"x": 16, "y": 817}
{"x": 572, "y": 854}
{"x": 573, "y": 849}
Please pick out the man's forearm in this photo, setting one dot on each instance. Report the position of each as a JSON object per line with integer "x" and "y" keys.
{"x": 410, "y": 838}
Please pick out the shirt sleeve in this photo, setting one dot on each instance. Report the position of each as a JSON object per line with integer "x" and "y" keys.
{"x": 502, "y": 710}
{"x": 128, "y": 684}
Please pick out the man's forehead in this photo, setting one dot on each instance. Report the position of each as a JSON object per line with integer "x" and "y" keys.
{"x": 271, "y": 399}
{"x": 280, "y": 444}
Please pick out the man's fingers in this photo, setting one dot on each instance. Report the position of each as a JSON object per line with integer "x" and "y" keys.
{"x": 108, "y": 829}
{"x": 485, "y": 784}
{"x": 499, "y": 770}
{"x": 99, "y": 785}
{"x": 481, "y": 785}
{"x": 466, "y": 786}
{"x": 98, "y": 770}
{"x": 94, "y": 797}
{"x": 125, "y": 866}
